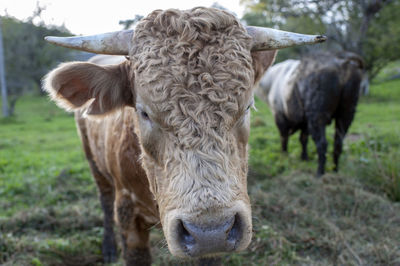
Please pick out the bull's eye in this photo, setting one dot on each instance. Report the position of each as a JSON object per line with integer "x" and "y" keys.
{"x": 250, "y": 105}
{"x": 144, "y": 115}
{"x": 248, "y": 108}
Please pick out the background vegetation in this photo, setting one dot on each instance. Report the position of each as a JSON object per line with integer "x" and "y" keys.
{"x": 369, "y": 28}
{"x": 28, "y": 57}
{"x": 50, "y": 214}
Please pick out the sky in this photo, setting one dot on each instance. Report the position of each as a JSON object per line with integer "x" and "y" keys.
{"x": 97, "y": 16}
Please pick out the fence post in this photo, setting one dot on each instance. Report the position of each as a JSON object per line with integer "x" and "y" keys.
{"x": 6, "y": 110}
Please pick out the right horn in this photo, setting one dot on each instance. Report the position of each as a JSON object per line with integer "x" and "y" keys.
{"x": 113, "y": 43}
{"x": 271, "y": 39}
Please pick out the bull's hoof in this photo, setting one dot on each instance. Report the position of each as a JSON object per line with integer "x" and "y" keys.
{"x": 110, "y": 257}
{"x": 319, "y": 174}
{"x": 110, "y": 253}
{"x": 138, "y": 256}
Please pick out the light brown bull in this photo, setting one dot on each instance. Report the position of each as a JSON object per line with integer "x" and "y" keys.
{"x": 166, "y": 131}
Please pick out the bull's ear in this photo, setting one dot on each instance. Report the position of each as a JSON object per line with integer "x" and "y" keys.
{"x": 73, "y": 85}
{"x": 262, "y": 60}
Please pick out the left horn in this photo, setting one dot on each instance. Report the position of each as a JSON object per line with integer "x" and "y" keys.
{"x": 271, "y": 39}
{"x": 112, "y": 43}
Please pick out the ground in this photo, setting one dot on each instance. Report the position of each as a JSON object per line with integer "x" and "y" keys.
{"x": 50, "y": 214}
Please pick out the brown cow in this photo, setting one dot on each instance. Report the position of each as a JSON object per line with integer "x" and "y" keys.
{"x": 166, "y": 131}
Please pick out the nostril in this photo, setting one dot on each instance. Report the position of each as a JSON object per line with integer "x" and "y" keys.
{"x": 202, "y": 239}
{"x": 185, "y": 238}
{"x": 235, "y": 232}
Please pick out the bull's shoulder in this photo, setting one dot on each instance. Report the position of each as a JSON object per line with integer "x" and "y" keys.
{"x": 108, "y": 136}
{"x": 109, "y": 125}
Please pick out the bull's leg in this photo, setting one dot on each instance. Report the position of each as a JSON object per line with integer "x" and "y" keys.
{"x": 284, "y": 142}
{"x": 318, "y": 134}
{"x": 342, "y": 124}
{"x": 283, "y": 127}
{"x": 303, "y": 140}
{"x": 107, "y": 196}
{"x": 134, "y": 231}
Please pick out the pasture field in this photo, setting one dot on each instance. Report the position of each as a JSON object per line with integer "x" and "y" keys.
{"x": 50, "y": 214}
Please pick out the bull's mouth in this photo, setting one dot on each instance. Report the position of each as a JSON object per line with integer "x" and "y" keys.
{"x": 192, "y": 238}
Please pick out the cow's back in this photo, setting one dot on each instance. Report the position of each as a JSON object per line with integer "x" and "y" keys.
{"x": 278, "y": 83}
{"x": 329, "y": 84}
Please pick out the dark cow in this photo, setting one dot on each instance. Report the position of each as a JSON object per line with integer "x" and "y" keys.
{"x": 165, "y": 131}
{"x": 307, "y": 95}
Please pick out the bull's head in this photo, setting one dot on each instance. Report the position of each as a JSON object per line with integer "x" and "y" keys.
{"x": 189, "y": 77}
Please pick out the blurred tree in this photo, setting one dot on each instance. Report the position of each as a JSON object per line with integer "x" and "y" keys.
{"x": 370, "y": 28}
{"x": 129, "y": 23}
{"x": 27, "y": 56}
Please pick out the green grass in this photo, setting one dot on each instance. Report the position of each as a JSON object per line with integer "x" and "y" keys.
{"x": 388, "y": 72}
{"x": 50, "y": 214}
{"x": 371, "y": 150}
{"x": 38, "y": 148}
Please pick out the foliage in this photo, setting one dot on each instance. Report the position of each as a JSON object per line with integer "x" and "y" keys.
{"x": 275, "y": 14}
{"x": 27, "y": 56}
{"x": 129, "y": 23}
{"x": 389, "y": 72}
{"x": 383, "y": 42}
{"x": 369, "y": 28}
{"x": 50, "y": 213}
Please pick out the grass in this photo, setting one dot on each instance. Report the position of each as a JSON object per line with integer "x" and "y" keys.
{"x": 390, "y": 71}
{"x": 371, "y": 149}
{"x": 50, "y": 214}
{"x": 38, "y": 148}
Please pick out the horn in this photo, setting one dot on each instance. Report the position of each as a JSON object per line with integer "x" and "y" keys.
{"x": 271, "y": 39}
{"x": 112, "y": 43}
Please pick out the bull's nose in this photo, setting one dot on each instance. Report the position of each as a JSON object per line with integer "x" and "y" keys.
{"x": 199, "y": 240}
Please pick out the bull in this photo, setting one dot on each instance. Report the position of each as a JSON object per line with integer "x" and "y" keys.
{"x": 165, "y": 131}
{"x": 308, "y": 94}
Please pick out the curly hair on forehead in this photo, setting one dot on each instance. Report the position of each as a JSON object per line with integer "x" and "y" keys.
{"x": 196, "y": 66}
{"x": 194, "y": 24}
